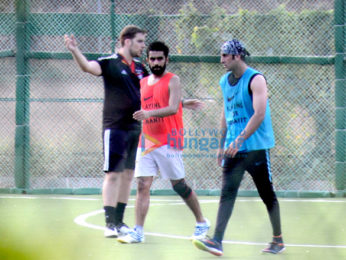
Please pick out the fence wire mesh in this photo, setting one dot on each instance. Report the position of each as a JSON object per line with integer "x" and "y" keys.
{"x": 66, "y": 104}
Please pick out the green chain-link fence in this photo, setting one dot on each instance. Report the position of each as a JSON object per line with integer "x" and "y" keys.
{"x": 50, "y": 131}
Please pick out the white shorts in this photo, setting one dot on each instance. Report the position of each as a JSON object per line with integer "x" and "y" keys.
{"x": 166, "y": 160}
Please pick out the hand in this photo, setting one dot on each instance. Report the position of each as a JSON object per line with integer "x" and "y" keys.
{"x": 220, "y": 153}
{"x": 234, "y": 147}
{"x": 141, "y": 115}
{"x": 194, "y": 104}
{"x": 70, "y": 42}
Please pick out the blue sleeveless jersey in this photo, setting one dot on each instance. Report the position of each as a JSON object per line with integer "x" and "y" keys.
{"x": 238, "y": 111}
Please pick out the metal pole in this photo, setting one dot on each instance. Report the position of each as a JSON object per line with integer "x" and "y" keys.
{"x": 22, "y": 138}
{"x": 99, "y": 39}
{"x": 112, "y": 27}
{"x": 340, "y": 97}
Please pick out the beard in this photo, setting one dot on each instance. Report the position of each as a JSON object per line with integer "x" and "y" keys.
{"x": 134, "y": 54}
{"x": 158, "y": 70}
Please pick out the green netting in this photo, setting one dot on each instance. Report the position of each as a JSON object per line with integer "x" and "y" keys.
{"x": 65, "y": 104}
{"x": 7, "y": 94}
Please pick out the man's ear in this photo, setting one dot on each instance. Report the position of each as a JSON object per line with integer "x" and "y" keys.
{"x": 127, "y": 42}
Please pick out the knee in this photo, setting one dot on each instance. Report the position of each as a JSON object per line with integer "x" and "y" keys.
{"x": 225, "y": 195}
{"x": 228, "y": 192}
{"x": 269, "y": 199}
{"x": 271, "y": 203}
{"x": 143, "y": 186}
{"x": 111, "y": 177}
{"x": 182, "y": 189}
{"x": 127, "y": 175}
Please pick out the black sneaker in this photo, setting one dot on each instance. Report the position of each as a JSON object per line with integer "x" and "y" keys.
{"x": 274, "y": 248}
{"x": 122, "y": 229}
{"x": 110, "y": 230}
{"x": 210, "y": 245}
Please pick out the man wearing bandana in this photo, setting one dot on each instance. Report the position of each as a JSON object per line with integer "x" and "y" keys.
{"x": 245, "y": 147}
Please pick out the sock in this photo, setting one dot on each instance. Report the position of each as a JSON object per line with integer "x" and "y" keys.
{"x": 278, "y": 239}
{"x": 109, "y": 214}
{"x": 119, "y": 212}
{"x": 201, "y": 223}
{"x": 139, "y": 229}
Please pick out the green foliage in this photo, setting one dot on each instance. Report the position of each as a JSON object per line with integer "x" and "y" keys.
{"x": 190, "y": 18}
{"x": 278, "y": 32}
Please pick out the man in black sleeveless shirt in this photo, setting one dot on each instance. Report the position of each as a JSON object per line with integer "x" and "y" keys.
{"x": 121, "y": 74}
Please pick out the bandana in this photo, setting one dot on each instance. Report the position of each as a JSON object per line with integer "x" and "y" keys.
{"x": 234, "y": 47}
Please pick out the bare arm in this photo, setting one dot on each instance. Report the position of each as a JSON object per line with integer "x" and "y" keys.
{"x": 259, "y": 103}
{"x": 193, "y": 104}
{"x": 91, "y": 67}
{"x": 173, "y": 105}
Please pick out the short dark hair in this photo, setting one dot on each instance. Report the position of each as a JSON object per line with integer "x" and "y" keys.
{"x": 129, "y": 32}
{"x": 158, "y": 46}
{"x": 242, "y": 57}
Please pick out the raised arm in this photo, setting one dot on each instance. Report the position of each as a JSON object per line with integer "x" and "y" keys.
{"x": 173, "y": 105}
{"x": 92, "y": 67}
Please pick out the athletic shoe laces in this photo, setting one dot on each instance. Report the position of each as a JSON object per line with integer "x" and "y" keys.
{"x": 201, "y": 229}
{"x": 135, "y": 235}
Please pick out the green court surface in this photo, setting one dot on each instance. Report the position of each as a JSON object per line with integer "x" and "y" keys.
{"x": 49, "y": 227}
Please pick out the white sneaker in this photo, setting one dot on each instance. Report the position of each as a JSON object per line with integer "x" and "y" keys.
{"x": 201, "y": 230}
{"x": 122, "y": 229}
{"x": 110, "y": 231}
{"x": 132, "y": 237}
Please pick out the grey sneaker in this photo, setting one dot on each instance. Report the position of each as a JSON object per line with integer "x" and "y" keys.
{"x": 210, "y": 245}
{"x": 274, "y": 248}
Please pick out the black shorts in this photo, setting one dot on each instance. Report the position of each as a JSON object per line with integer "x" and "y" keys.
{"x": 120, "y": 149}
{"x": 257, "y": 164}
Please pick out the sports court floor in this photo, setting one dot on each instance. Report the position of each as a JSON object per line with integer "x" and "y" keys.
{"x": 71, "y": 227}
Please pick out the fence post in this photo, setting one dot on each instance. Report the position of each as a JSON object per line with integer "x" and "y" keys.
{"x": 22, "y": 138}
{"x": 112, "y": 26}
{"x": 340, "y": 88}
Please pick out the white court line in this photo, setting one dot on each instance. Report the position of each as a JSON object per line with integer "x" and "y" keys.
{"x": 35, "y": 197}
{"x": 169, "y": 200}
{"x": 47, "y": 198}
{"x": 81, "y": 220}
